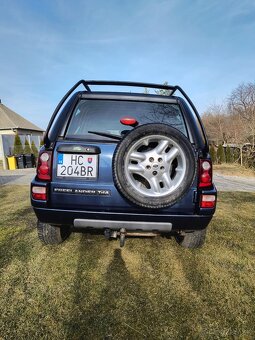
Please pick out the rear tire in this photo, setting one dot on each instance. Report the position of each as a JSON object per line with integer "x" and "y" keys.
{"x": 49, "y": 234}
{"x": 192, "y": 240}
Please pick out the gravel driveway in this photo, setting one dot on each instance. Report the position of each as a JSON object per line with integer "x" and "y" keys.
{"x": 222, "y": 182}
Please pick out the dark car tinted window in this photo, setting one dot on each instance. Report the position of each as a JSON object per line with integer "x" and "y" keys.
{"x": 105, "y": 115}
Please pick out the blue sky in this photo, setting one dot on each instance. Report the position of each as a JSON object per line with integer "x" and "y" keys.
{"x": 207, "y": 47}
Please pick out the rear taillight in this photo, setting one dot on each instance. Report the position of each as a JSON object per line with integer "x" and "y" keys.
{"x": 205, "y": 173}
{"x": 44, "y": 165}
{"x": 207, "y": 201}
{"x": 39, "y": 193}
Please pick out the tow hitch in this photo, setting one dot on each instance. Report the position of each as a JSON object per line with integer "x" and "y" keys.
{"x": 108, "y": 233}
{"x": 122, "y": 233}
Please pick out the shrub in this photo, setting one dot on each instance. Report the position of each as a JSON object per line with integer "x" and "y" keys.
{"x": 27, "y": 148}
{"x": 221, "y": 154}
{"x": 18, "y": 148}
{"x": 229, "y": 155}
{"x": 34, "y": 149}
{"x": 212, "y": 153}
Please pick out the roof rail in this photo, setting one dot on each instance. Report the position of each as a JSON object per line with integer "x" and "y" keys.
{"x": 81, "y": 82}
{"x": 129, "y": 83}
{"x": 86, "y": 84}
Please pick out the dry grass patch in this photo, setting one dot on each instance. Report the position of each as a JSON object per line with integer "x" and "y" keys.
{"x": 89, "y": 288}
{"x": 233, "y": 170}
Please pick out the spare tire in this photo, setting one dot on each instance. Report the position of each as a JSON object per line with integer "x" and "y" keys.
{"x": 154, "y": 166}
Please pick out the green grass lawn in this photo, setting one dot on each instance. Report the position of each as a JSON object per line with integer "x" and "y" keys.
{"x": 89, "y": 288}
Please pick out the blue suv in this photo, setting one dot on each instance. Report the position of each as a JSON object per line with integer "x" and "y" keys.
{"x": 126, "y": 164}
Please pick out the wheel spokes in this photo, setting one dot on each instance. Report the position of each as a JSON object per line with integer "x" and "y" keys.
{"x": 146, "y": 142}
{"x": 179, "y": 169}
{"x": 135, "y": 168}
{"x": 137, "y": 156}
{"x": 155, "y": 187}
{"x": 162, "y": 145}
{"x": 167, "y": 180}
{"x": 172, "y": 154}
{"x": 155, "y": 166}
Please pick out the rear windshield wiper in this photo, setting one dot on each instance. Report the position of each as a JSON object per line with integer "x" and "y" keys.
{"x": 105, "y": 134}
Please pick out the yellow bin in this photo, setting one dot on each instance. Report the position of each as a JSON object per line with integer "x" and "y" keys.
{"x": 12, "y": 163}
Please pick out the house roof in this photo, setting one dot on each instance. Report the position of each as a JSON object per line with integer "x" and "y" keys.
{"x": 11, "y": 120}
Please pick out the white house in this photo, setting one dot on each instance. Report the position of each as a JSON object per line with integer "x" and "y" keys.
{"x": 11, "y": 124}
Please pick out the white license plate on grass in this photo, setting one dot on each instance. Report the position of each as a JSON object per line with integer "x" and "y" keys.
{"x": 76, "y": 165}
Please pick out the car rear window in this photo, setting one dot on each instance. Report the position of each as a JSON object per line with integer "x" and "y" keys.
{"x": 105, "y": 115}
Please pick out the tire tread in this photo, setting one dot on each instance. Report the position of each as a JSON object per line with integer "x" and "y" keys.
{"x": 49, "y": 234}
{"x": 192, "y": 240}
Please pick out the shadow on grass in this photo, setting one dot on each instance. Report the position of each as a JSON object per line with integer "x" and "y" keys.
{"x": 119, "y": 305}
{"x": 118, "y": 295}
{"x": 215, "y": 297}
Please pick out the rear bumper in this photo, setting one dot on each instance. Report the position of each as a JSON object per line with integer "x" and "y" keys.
{"x": 128, "y": 225}
{"x": 101, "y": 220}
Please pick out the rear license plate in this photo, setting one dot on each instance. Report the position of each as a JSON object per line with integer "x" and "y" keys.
{"x": 75, "y": 165}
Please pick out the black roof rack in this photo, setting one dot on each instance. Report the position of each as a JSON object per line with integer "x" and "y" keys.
{"x": 86, "y": 83}
{"x": 129, "y": 83}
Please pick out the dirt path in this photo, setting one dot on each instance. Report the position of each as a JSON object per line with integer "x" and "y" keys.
{"x": 234, "y": 183}
{"x": 16, "y": 177}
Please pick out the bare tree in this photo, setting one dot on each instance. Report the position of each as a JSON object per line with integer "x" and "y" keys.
{"x": 215, "y": 121}
{"x": 242, "y": 106}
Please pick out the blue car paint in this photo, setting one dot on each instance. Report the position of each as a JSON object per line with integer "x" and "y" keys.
{"x": 62, "y": 209}
{"x": 115, "y": 202}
